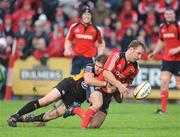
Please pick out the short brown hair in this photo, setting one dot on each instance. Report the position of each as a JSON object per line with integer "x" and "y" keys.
{"x": 135, "y": 44}
{"x": 101, "y": 58}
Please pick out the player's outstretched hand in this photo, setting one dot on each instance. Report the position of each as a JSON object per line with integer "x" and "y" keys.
{"x": 68, "y": 52}
{"x": 123, "y": 89}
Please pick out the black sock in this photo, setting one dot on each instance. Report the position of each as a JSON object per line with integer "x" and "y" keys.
{"x": 39, "y": 118}
{"x": 29, "y": 107}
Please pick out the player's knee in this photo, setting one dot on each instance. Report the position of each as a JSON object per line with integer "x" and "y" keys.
{"x": 43, "y": 102}
{"x": 164, "y": 86}
{"x": 178, "y": 86}
{"x": 97, "y": 105}
{"x": 46, "y": 118}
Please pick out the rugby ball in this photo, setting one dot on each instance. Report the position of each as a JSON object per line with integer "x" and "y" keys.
{"x": 142, "y": 91}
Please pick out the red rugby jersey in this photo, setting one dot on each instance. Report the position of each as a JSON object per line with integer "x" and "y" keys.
{"x": 84, "y": 38}
{"x": 169, "y": 34}
{"x": 122, "y": 70}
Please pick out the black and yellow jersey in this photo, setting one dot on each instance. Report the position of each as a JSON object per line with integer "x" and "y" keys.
{"x": 74, "y": 87}
{"x": 80, "y": 84}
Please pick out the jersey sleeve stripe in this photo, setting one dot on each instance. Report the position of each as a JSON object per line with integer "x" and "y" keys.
{"x": 72, "y": 26}
{"x": 113, "y": 61}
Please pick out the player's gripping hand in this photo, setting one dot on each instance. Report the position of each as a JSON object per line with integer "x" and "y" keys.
{"x": 68, "y": 52}
{"x": 123, "y": 89}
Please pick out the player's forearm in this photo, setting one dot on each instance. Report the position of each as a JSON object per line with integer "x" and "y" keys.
{"x": 101, "y": 47}
{"x": 67, "y": 44}
{"x": 101, "y": 50}
{"x": 94, "y": 82}
{"x": 68, "y": 50}
{"x": 111, "y": 78}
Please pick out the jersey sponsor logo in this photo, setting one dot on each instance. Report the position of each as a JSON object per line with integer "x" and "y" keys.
{"x": 84, "y": 85}
{"x": 84, "y": 36}
{"x": 92, "y": 31}
{"x": 117, "y": 73}
{"x": 168, "y": 35}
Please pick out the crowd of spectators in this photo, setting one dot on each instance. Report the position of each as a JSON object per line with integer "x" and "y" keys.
{"x": 40, "y": 26}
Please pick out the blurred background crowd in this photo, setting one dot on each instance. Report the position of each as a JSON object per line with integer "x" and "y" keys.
{"x": 40, "y": 26}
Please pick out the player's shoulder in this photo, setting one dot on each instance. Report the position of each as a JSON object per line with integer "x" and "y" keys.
{"x": 74, "y": 25}
{"x": 162, "y": 24}
{"x": 115, "y": 55}
{"x": 96, "y": 27}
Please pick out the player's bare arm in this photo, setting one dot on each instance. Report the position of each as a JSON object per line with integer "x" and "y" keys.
{"x": 68, "y": 50}
{"x": 157, "y": 49}
{"x": 91, "y": 80}
{"x": 112, "y": 80}
{"x": 101, "y": 47}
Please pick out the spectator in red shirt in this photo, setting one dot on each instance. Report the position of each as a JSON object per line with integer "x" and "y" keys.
{"x": 107, "y": 29}
{"x": 163, "y": 4}
{"x": 23, "y": 12}
{"x": 8, "y": 25}
{"x": 56, "y": 46}
{"x": 119, "y": 31}
{"x": 39, "y": 42}
{"x": 169, "y": 44}
{"x": 145, "y": 5}
{"x": 81, "y": 41}
{"x": 75, "y": 18}
{"x": 128, "y": 16}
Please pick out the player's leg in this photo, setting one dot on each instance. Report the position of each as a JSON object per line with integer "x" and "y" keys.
{"x": 33, "y": 105}
{"x": 165, "y": 79}
{"x": 74, "y": 109}
{"x": 76, "y": 65}
{"x": 100, "y": 116}
{"x": 58, "y": 111}
{"x": 97, "y": 100}
{"x": 177, "y": 73}
{"x": 178, "y": 82}
{"x": 58, "y": 92}
{"x": 54, "y": 113}
{"x": 53, "y": 95}
{"x": 97, "y": 120}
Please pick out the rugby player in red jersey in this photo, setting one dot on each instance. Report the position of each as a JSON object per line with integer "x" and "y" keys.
{"x": 119, "y": 70}
{"x": 169, "y": 45}
{"x": 82, "y": 41}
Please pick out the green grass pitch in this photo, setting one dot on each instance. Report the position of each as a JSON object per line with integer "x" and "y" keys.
{"x": 124, "y": 120}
